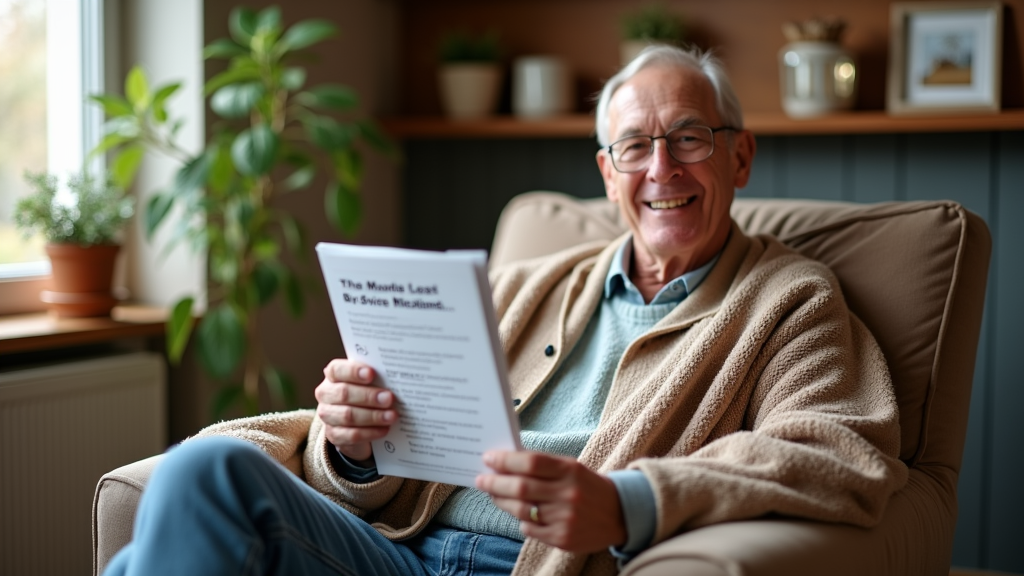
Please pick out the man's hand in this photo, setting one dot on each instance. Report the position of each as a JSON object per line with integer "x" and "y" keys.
{"x": 353, "y": 411}
{"x": 578, "y": 510}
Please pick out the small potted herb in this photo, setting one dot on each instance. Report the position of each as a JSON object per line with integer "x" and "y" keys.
{"x": 653, "y": 24}
{"x": 81, "y": 223}
{"x": 469, "y": 75}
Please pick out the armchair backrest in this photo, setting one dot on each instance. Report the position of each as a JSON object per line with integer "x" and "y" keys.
{"x": 914, "y": 272}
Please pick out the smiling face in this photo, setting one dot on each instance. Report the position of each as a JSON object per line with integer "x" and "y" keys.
{"x": 679, "y": 213}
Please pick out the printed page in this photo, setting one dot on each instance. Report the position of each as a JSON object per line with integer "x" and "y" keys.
{"x": 425, "y": 322}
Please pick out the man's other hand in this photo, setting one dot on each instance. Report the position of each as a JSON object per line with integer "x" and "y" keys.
{"x": 354, "y": 411}
{"x": 578, "y": 510}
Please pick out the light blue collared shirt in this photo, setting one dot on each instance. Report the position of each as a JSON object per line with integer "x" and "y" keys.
{"x": 674, "y": 292}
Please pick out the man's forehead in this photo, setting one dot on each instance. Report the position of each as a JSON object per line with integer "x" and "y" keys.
{"x": 669, "y": 95}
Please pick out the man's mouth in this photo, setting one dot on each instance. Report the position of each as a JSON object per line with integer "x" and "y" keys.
{"x": 669, "y": 204}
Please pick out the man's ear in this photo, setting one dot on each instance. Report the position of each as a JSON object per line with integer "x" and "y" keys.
{"x": 604, "y": 163}
{"x": 743, "y": 157}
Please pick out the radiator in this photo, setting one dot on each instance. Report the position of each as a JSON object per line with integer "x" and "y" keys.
{"x": 62, "y": 426}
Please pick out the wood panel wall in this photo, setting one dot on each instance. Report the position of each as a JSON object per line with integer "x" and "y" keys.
{"x": 747, "y": 35}
{"x": 455, "y": 189}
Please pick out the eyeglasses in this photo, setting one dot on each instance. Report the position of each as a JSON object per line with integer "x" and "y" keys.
{"x": 686, "y": 144}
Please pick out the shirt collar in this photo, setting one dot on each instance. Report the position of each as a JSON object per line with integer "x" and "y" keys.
{"x": 618, "y": 284}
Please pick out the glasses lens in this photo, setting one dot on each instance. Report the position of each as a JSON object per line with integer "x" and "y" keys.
{"x": 630, "y": 153}
{"x": 690, "y": 143}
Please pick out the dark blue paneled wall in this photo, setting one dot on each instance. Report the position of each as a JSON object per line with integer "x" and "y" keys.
{"x": 455, "y": 189}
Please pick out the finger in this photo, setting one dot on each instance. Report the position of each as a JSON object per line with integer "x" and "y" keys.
{"x": 342, "y": 370}
{"x": 344, "y": 393}
{"x": 353, "y": 416}
{"x": 345, "y": 437}
{"x": 516, "y": 487}
{"x": 528, "y": 463}
{"x": 521, "y": 509}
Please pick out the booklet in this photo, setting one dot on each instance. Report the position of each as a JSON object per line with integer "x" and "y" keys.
{"x": 425, "y": 322}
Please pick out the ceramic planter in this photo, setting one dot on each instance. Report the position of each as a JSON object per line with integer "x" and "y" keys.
{"x": 82, "y": 279}
{"x": 469, "y": 90}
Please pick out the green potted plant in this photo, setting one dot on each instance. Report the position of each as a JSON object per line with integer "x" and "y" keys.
{"x": 469, "y": 75}
{"x": 653, "y": 24}
{"x": 81, "y": 223}
{"x": 273, "y": 137}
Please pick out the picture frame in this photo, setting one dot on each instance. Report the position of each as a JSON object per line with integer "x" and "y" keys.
{"x": 945, "y": 57}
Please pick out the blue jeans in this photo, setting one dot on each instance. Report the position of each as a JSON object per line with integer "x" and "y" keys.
{"x": 221, "y": 506}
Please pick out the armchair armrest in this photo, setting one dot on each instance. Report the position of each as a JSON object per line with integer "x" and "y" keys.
{"x": 113, "y": 509}
{"x": 914, "y": 538}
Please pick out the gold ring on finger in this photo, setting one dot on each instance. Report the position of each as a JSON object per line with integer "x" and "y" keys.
{"x": 534, "y": 514}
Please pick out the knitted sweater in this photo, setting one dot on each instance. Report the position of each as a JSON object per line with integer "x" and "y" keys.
{"x": 761, "y": 393}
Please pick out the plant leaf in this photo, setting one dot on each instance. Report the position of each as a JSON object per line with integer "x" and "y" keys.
{"x": 300, "y": 179}
{"x": 221, "y": 340}
{"x": 113, "y": 106}
{"x": 254, "y": 150}
{"x": 236, "y": 100}
{"x": 328, "y": 133}
{"x": 269, "y": 18}
{"x": 157, "y": 208}
{"x": 126, "y": 165}
{"x": 332, "y": 96}
{"x": 192, "y": 175}
{"x": 242, "y": 25}
{"x": 222, "y": 169}
{"x": 179, "y": 328}
{"x": 281, "y": 386}
{"x": 344, "y": 208}
{"x": 265, "y": 279}
{"x": 237, "y": 74}
{"x": 227, "y": 396}
{"x": 109, "y": 141}
{"x": 306, "y": 33}
{"x": 136, "y": 89}
{"x": 348, "y": 166}
{"x": 162, "y": 94}
{"x": 294, "y": 237}
{"x": 127, "y": 126}
{"x": 293, "y": 78}
{"x": 223, "y": 48}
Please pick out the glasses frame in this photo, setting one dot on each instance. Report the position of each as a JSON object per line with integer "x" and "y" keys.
{"x": 650, "y": 148}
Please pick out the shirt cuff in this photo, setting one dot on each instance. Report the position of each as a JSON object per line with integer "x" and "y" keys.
{"x": 639, "y": 510}
{"x": 349, "y": 470}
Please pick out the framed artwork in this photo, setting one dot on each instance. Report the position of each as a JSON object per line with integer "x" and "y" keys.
{"x": 945, "y": 57}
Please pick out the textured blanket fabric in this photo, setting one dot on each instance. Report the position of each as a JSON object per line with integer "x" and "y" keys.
{"x": 760, "y": 393}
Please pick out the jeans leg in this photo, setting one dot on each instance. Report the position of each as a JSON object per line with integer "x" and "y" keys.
{"x": 221, "y": 506}
{"x": 450, "y": 552}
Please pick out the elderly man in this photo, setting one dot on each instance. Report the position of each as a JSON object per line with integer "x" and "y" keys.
{"x": 683, "y": 375}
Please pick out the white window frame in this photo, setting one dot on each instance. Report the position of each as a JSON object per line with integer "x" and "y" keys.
{"x": 73, "y": 126}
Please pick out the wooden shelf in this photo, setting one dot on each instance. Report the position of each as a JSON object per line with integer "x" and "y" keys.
{"x": 30, "y": 332}
{"x": 763, "y": 124}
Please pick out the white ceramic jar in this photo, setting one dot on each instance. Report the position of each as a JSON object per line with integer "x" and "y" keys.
{"x": 816, "y": 77}
{"x": 541, "y": 87}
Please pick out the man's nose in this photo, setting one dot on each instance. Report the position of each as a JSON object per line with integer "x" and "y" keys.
{"x": 663, "y": 167}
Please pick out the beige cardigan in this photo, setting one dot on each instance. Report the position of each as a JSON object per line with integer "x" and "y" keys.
{"x": 760, "y": 393}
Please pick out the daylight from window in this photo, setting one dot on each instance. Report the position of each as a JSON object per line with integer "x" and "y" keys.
{"x": 22, "y": 117}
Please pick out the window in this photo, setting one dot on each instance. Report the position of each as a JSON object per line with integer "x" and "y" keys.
{"x": 50, "y": 58}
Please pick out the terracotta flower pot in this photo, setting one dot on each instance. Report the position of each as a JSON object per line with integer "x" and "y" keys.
{"x": 82, "y": 278}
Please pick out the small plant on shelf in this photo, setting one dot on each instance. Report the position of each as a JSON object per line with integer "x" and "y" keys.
{"x": 653, "y": 24}
{"x": 275, "y": 135}
{"x": 469, "y": 76}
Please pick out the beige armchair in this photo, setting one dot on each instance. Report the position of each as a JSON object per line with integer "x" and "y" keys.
{"x": 914, "y": 272}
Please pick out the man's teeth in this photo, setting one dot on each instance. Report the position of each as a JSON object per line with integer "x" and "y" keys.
{"x": 666, "y": 204}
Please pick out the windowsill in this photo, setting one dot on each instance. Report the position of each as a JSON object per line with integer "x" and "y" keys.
{"x": 41, "y": 331}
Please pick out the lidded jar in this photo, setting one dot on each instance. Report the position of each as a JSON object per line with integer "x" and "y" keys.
{"x": 817, "y": 75}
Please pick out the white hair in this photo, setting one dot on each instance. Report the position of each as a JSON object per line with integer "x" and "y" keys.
{"x": 726, "y": 102}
